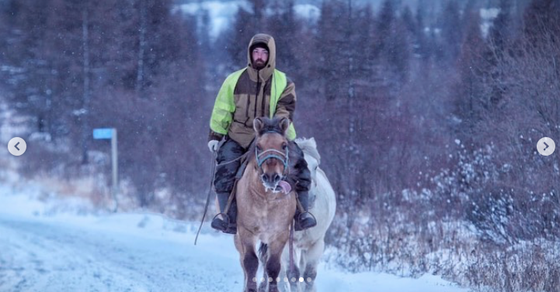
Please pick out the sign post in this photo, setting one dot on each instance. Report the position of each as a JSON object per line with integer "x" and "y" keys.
{"x": 110, "y": 133}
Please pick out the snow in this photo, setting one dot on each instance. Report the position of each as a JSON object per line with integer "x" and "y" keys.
{"x": 308, "y": 11}
{"x": 487, "y": 17}
{"x": 77, "y": 248}
{"x": 221, "y": 13}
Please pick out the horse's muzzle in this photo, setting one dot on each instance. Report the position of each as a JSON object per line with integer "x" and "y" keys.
{"x": 271, "y": 180}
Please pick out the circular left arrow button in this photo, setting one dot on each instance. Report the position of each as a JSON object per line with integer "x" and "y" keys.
{"x": 17, "y": 146}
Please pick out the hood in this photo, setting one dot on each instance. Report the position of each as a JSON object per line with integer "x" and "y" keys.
{"x": 267, "y": 71}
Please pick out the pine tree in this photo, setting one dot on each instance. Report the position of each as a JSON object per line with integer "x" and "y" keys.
{"x": 423, "y": 48}
{"x": 499, "y": 40}
{"x": 37, "y": 65}
{"x": 541, "y": 17}
{"x": 283, "y": 26}
{"x": 259, "y": 9}
{"x": 392, "y": 48}
{"x": 334, "y": 47}
{"x": 117, "y": 37}
{"x": 500, "y": 35}
{"x": 383, "y": 28}
{"x": 157, "y": 40}
{"x": 366, "y": 79}
{"x": 244, "y": 27}
{"x": 451, "y": 31}
{"x": 472, "y": 101}
{"x": 540, "y": 56}
{"x": 409, "y": 21}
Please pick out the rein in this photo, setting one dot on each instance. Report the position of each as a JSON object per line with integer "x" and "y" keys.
{"x": 214, "y": 165}
{"x": 208, "y": 196}
{"x": 234, "y": 160}
{"x": 291, "y": 247}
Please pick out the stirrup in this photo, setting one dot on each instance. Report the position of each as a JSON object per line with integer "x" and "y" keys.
{"x": 223, "y": 225}
{"x": 219, "y": 223}
{"x": 298, "y": 221}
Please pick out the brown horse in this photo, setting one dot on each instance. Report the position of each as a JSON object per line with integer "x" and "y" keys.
{"x": 265, "y": 212}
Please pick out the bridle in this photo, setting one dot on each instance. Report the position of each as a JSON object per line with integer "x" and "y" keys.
{"x": 263, "y": 156}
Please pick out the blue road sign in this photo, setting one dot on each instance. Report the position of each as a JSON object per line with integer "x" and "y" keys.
{"x": 103, "y": 133}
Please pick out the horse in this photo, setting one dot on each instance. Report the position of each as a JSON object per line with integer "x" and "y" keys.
{"x": 264, "y": 212}
{"x": 308, "y": 245}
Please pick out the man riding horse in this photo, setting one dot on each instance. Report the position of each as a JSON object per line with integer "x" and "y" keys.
{"x": 258, "y": 90}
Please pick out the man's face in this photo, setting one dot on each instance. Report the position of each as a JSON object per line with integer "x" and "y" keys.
{"x": 260, "y": 57}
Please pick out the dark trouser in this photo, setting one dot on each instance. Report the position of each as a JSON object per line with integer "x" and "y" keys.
{"x": 299, "y": 177}
{"x": 224, "y": 178}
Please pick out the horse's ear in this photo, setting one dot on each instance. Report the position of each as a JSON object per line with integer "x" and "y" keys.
{"x": 284, "y": 124}
{"x": 257, "y": 125}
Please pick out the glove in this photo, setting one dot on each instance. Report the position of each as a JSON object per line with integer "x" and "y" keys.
{"x": 213, "y": 145}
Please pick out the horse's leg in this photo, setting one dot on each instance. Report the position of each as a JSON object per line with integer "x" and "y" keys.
{"x": 249, "y": 260}
{"x": 302, "y": 264}
{"x": 294, "y": 272}
{"x": 239, "y": 247}
{"x": 312, "y": 258}
{"x": 263, "y": 258}
{"x": 263, "y": 286}
{"x": 283, "y": 286}
{"x": 273, "y": 264}
{"x": 264, "y": 282}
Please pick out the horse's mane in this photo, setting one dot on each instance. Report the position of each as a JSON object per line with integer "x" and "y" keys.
{"x": 309, "y": 147}
{"x": 271, "y": 125}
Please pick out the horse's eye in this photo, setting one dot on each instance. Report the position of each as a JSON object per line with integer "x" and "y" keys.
{"x": 284, "y": 145}
{"x": 258, "y": 148}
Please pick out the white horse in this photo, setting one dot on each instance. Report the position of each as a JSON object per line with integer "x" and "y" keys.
{"x": 309, "y": 244}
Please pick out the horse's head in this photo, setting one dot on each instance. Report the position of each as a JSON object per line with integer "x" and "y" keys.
{"x": 271, "y": 150}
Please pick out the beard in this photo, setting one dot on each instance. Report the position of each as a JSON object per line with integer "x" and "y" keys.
{"x": 258, "y": 64}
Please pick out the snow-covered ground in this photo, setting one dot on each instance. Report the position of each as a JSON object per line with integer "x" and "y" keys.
{"x": 47, "y": 248}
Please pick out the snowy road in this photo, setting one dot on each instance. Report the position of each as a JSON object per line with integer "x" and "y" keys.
{"x": 40, "y": 251}
{"x": 55, "y": 256}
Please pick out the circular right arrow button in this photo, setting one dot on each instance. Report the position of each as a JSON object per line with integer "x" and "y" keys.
{"x": 546, "y": 146}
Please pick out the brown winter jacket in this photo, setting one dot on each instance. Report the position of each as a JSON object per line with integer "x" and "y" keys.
{"x": 252, "y": 97}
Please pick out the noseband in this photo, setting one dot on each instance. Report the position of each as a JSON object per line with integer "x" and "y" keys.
{"x": 272, "y": 153}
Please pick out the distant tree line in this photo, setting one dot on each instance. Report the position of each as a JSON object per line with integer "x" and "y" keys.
{"x": 420, "y": 116}
{"x": 72, "y": 66}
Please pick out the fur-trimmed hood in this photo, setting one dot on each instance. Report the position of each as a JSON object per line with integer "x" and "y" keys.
{"x": 267, "y": 71}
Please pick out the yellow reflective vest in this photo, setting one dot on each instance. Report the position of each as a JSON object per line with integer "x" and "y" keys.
{"x": 224, "y": 107}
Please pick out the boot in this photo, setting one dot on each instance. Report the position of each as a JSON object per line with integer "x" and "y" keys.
{"x": 229, "y": 222}
{"x": 304, "y": 219}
